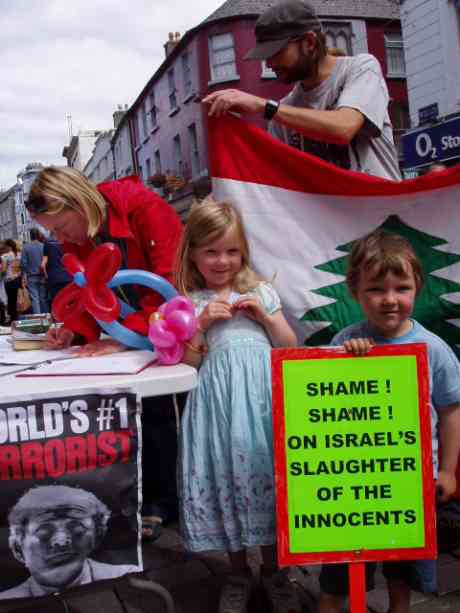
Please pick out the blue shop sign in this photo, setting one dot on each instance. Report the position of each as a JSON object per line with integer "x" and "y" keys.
{"x": 429, "y": 145}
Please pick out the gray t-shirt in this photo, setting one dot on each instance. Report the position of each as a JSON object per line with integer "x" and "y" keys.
{"x": 356, "y": 82}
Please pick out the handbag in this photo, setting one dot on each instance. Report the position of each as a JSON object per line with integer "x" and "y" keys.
{"x": 23, "y": 302}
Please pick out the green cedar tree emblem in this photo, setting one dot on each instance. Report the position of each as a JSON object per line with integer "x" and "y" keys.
{"x": 432, "y": 310}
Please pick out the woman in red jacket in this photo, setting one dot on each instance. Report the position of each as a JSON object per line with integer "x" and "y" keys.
{"x": 147, "y": 231}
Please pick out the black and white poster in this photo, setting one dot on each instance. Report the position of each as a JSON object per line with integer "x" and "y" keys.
{"x": 70, "y": 490}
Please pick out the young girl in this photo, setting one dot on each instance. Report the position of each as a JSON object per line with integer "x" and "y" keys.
{"x": 385, "y": 277}
{"x": 226, "y": 484}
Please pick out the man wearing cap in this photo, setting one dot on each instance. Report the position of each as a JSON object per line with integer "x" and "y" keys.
{"x": 53, "y": 531}
{"x": 338, "y": 109}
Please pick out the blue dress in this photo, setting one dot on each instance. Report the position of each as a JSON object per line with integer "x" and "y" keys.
{"x": 226, "y": 483}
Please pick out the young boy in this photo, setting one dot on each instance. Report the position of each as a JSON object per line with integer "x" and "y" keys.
{"x": 385, "y": 277}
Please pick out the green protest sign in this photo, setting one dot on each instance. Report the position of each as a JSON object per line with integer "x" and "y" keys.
{"x": 353, "y": 459}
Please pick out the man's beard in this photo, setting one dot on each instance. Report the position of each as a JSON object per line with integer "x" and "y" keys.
{"x": 306, "y": 67}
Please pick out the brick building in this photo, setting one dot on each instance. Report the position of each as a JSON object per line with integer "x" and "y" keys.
{"x": 167, "y": 126}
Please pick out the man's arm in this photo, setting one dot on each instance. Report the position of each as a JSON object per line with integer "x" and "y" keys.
{"x": 336, "y": 126}
{"x": 449, "y": 434}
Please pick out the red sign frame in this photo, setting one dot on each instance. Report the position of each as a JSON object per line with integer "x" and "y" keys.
{"x": 285, "y": 557}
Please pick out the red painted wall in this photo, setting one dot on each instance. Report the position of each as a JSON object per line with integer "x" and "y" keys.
{"x": 376, "y": 44}
{"x": 250, "y": 71}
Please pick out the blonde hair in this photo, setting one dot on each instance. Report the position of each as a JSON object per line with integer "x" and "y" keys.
{"x": 63, "y": 188}
{"x": 208, "y": 221}
{"x": 385, "y": 253}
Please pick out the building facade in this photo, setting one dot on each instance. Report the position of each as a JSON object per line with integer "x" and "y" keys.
{"x": 167, "y": 126}
{"x": 23, "y": 220}
{"x": 431, "y": 31}
{"x": 80, "y": 148}
{"x": 100, "y": 167}
{"x": 8, "y": 228}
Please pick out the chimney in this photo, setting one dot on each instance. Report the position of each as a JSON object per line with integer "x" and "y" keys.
{"x": 118, "y": 115}
{"x": 173, "y": 39}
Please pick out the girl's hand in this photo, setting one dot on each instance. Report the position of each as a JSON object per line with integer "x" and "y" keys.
{"x": 252, "y": 308}
{"x": 214, "y": 311}
{"x": 105, "y": 346}
{"x": 359, "y": 346}
{"x": 59, "y": 338}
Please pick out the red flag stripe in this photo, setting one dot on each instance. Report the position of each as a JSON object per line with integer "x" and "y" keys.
{"x": 263, "y": 159}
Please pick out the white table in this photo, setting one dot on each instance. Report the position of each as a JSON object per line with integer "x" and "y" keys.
{"x": 153, "y": 381}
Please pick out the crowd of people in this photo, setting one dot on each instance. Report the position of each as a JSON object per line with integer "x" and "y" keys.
{"x": 225, "y": 493}
{"x": 36, "y": 267}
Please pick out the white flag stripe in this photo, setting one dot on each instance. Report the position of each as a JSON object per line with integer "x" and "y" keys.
{"x": 290, "y": 231}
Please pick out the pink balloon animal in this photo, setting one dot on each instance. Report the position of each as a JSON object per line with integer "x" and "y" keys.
{"x": 170, "y": 327}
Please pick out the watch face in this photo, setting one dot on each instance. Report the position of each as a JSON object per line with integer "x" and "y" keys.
{"x": 270, "y": 108}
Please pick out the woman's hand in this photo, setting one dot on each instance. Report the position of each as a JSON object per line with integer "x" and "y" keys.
{"x": 214, "y": 311}
{"x": 105, "y": 346}
{"x": 59, "y": 338}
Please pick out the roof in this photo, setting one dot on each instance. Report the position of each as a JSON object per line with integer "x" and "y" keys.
{"x": 365, "y": 9}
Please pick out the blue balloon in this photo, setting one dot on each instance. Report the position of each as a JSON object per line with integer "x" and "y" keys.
{"x": 138, "y": 277}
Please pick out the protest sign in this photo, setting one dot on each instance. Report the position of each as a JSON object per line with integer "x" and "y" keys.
{"x": 70, "y": 473}
{"x": 353, "y": 455}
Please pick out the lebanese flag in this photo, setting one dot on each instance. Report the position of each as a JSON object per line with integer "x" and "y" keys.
{"x": 301, "y": 215}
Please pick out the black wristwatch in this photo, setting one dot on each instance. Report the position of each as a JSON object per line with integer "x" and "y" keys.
{"x": 271, "y": 108}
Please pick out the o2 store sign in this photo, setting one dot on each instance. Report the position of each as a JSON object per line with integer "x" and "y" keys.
{"x": 435, "y": 144}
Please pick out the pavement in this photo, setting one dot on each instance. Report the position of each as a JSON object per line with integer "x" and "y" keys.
{"x": 194, "y": 580}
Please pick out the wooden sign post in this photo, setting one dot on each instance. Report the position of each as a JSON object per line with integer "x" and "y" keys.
{"x": 353, "y": 461}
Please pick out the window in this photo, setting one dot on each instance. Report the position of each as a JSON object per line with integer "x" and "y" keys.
{"x": 186, "y": 74}
{"x": 396, "y": 66}
{"x": 222, "y": 57}
{"x": 153, "y": 111}
{"x": 148, "y": 168}
{"x": 172, "y": 90}
{"x": 267, "y": 73}
{"x": 338, "y": 36}
{"x": 157, "y": 162}
{"x": 400, "y": 118}
{"x": 177, "y": 155}
{"x": 145, "y": 126}
{"x": 194, "y": 153}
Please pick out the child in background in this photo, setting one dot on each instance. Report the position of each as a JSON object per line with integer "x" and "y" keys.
{"x": 385, "y": 277}
{"x": 226, "y": 482}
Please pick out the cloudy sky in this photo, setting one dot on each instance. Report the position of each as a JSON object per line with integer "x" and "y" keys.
{"x": 78, "y": 58}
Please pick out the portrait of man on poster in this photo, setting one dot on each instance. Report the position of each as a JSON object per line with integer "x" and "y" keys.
{"x": 53, "y": 530}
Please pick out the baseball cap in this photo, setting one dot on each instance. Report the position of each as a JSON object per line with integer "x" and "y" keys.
{"x": 280, "y": 24}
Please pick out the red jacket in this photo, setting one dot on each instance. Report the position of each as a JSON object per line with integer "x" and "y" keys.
{"x": 151, "y": 231}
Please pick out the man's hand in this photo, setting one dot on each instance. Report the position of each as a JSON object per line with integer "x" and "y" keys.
{"x": 225, "y": 100}
{"x": 446, "y": 486}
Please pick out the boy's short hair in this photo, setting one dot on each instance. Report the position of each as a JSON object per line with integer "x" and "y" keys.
{"x": 386, "y": 253}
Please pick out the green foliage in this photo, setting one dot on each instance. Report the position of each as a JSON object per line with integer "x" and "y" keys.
{"x": 432, "y": 309}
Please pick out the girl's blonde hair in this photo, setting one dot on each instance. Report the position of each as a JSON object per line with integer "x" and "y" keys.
{"x": 62, "y": 188}
{"x": 385, "y": 253}
{"x": 208, "y": 221}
